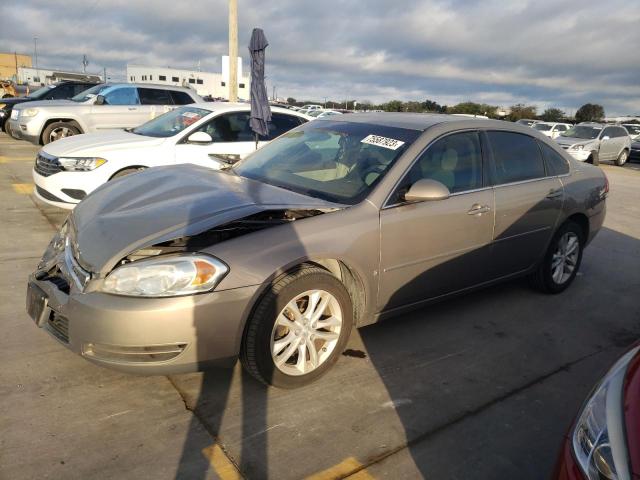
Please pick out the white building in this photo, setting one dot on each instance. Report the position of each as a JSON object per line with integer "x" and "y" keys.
{"x": 46, "y": 76}
{"x": 204, "y": 83}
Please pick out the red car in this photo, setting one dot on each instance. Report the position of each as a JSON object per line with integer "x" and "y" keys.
{"x": 604, "y": 442}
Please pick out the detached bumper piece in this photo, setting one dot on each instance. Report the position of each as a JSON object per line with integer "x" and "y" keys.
{"x": 127, "y": 354}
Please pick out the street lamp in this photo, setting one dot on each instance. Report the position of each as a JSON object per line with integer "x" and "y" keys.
{"x": 35, "y": 54}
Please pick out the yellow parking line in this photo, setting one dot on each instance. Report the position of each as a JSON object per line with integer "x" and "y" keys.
{"x": 342, "y": 470}
{"x": 7, "y": 159}
{"x": 23, "y": 188}
{"x": 221, "y": 463}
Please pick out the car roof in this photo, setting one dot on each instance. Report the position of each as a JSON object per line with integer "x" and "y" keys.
{"x": 239, "y": 107}
{"x": 412, "y": 121}
{"x": 153, "y": 86}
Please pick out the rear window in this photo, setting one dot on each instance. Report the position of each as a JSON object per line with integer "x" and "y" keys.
{"x": 516, "y": 157}
{"x": 154, "y": 96}
{"x": 555, "y": 163}
{"x": 181, "y": 98}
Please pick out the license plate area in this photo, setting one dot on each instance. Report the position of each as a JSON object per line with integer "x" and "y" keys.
{"x": 37, "y": 304}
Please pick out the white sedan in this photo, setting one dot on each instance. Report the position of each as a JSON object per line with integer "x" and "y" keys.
{"x": 211, "y": 135}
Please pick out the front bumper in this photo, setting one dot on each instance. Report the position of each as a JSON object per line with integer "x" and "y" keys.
{"x": 56, "y": 189}
{"x": 29, "y": 131}
{"x": 129, "y": 334}
{"x": 580, "y": 155}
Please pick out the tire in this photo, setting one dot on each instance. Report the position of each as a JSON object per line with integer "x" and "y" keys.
{"x": 58, "y": 130}
{"x": 262, "y": 334}
{"x": 546, "y": 277}
{"x": 622, "y": 158}
{"x": 127, "y": 171}
{"x": 7, "y": 128}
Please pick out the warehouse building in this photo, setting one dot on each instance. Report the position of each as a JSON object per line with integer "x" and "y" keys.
{"x": 10, "y": 63}
{"x": 204, "y": 83}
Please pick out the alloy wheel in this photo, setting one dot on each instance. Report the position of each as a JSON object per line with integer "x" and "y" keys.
{"x": 565, "y": 258}
{"x": 60, "y": 132}
{"x": 306, "y": 332}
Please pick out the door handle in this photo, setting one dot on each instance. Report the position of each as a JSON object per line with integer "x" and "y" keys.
{"x": 132, "y": 108}
{"x": 554, "y": 193}
{"x": 477, "y": 209}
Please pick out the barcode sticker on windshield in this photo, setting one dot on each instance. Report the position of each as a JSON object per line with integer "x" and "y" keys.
{"x": 390, "y": 143}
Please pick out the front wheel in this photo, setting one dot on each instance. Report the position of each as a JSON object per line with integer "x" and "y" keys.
{"x": 298, "y": 329}
{"x": 622, "y": 158}
{"x": 58, "y": 130}
{"x": 562, "y": 260}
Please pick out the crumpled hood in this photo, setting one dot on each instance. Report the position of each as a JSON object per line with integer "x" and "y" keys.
{"x": 164, "y": 203}
{"x": 100, "y": 143}
{"x": 47, "y": 103}
{"x": 572, "y": 140}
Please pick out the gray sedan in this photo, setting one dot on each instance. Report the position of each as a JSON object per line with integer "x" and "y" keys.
{"x": 336, "y": 224}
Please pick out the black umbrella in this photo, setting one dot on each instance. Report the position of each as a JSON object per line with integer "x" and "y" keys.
{"x": 260, "y": 110}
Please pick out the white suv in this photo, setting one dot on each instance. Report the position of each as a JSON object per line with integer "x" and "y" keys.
{"x": 551, "y": 129}
{"x": 103, "y": 107}
{"x": 610, "y": 142}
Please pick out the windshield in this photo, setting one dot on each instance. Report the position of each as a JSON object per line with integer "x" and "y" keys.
{"x": 543, "y": 127}
{"x": 336, "y": 161}
{"x": 583, "y": 131}
{"x": 633, "y": 129}
{"x": 314, "y": 113}
{"x": 172, "y": 122}
{"x": 90, "y": 93}
{"x": 41, "y": 92}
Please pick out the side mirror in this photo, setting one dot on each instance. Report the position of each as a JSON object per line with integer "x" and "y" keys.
{"x": 200, "y": 137}
{"x": 606, "y": 137}
{"x": 427, "y": 190}
{"x": 99, "y": 100}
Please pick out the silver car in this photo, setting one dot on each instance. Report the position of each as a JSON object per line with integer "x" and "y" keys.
{"x": 611, "y": 142}
{"x": 335, "y": 224}
{"x": 103, "y": 107}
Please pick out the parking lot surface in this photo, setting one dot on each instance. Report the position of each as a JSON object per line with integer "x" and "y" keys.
{"x": 483, "y": 386}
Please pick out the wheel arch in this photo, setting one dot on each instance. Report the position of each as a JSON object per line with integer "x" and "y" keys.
{"x": 128, "y": 167}
{"x": 49, "y": 121}
{"x": 582, "y": 220}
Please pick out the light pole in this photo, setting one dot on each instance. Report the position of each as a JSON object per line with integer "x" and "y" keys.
{"x": 233, "y": 50}
{"x": 35, "y": 54}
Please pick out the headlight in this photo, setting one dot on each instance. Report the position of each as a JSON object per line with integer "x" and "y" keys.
{"x": 81, "y": 164}
{"x": 28, "y": 112}
{"x": 577, "y": 147}
{"x": 166, "y": 276}
{"x": 599, "y": 442}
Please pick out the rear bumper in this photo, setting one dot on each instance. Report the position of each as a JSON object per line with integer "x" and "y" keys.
{"x": 119, "y": 332}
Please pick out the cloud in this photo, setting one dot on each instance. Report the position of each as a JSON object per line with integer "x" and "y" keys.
{"x": 544, "y": 52}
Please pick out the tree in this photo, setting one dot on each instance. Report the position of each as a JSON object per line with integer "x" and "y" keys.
{"x": 472, "y": 108}
{"x": 553, "y": 115}
{"x": 291, "y": 101}
{"x": 520, "y": 111}
{"x": 590, "y": 112}
{"x": 394, "y": 106}
{"x": 431, "y": 106}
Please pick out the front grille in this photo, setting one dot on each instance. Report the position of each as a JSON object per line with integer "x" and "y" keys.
{"x": 566, "y": 147}
{"x": 47, "y": 166}
{"x": 59, "y": 327}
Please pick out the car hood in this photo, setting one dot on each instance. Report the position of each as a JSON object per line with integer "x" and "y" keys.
{"x": 97, "y": 144}
{"x": 15, "y": 100}
{"x": 165, "y": 203}
{"x": 50, "y": 103}
{"x": 572, "y": 140}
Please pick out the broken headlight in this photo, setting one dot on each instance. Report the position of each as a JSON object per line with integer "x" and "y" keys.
{"x": 166, "y": 276}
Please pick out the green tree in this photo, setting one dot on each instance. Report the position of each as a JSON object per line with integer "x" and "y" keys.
{"x": 520, "y": 111}
{"x": 393, "y": 106}
{"x": 553, "y": 115}
{"x": 472, "y": 108}
{"x": 431, "y": 106}
{"x": 590, "y": 112}
{"x": 291, "y": 101}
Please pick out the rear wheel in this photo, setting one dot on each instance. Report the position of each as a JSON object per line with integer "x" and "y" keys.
{"x": 57, "y": 130}
{"x": 298, "y": 329}
{"x": 562, "y": 260}
{"x": 622, "y": 158}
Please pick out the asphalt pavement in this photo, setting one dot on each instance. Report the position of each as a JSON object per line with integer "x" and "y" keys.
{"x": 483, "y": 386}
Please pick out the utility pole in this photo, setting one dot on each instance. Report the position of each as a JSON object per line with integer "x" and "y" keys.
{"x": 85, "y": 62}
{"x": 104, "y": 74}
{"x": 233, "y": 50}
{"x": 325, "y": 102}
{"x": 273, "y": 96}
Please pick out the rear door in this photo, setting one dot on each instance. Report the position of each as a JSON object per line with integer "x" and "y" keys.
{"x": 528, "y": 202}
{"x": 609, "y": 144}
{"x": 429, "y": 249}
{"x": 121, "y": 109}
{"x": 154, "y": 102}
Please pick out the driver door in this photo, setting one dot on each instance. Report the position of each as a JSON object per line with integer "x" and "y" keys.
{"x": 432, "y": 248}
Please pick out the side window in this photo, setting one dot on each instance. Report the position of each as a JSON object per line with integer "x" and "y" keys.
{"x": 561, "y": 128}
{"x": 181, "y": 98}
{"x": 608, "y": 132}
{"x": 622, "y": 132}
{"x": 230, "y": 127}
{"x": 81, "y": 88}
{"x": 122, "y": 96}
{"x": 282, "y": 123}
{"x": 154, "y": 96}
{"x": 455, "y": 161}
{"x": 555, "y": 163}
{"x": 516, "y": 157}
{"x": 62, "y": 92}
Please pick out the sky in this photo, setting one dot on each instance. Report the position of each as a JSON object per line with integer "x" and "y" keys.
{"x": 561, "y": 53}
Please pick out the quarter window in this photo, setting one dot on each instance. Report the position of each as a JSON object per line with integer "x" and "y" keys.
{"x": 555, "y": 163}
{"x": 516, "y": 157}
{"x": 154, "y": 96}
{"x": 455, "y": 161}
{"x": 122, "y": 96}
